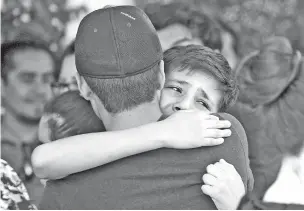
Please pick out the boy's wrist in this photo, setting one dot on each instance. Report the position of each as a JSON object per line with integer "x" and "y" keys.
{"x": 159, "y": 134}
{"x": 164, "y": 135}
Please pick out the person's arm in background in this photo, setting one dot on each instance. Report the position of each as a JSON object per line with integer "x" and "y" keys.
{"x": 60, "y": 158}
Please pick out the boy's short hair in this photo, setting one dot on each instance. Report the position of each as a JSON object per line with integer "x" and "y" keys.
{"x": 123, "y": 94}
{"x": 196, "y": 57}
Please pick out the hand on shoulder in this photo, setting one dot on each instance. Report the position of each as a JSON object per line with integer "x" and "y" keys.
{"x": 192, "y": 129}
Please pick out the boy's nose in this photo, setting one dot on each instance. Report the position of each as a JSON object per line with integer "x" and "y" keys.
{"x": 185, "y": 104}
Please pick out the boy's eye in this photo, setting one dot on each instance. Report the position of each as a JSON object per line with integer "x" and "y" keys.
{"x": 203, "y": 103}
{"x": 177, "y": 89}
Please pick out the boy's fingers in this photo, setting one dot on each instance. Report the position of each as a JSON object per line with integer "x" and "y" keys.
{"x": 210, "y": 117}
{"x": 208, "y": 179}
{"x": 216, "y": 133}
{"x": 225, "y": 165}
{"x": 209, "y": 190}
{"x": 216, "y": 124}
{"x": 223, "y": 161}
{"x": 214, "y": 170}
{"x": 213, "y": 141}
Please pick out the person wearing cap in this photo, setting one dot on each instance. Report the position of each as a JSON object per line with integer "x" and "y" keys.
{"x": 118, "y": 54}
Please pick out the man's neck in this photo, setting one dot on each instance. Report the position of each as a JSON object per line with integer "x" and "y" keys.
{"x": 141, "y": 115}
{"x": 15, "y": 130}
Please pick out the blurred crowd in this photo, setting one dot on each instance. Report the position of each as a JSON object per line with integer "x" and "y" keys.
{"x": 269, "y": 106}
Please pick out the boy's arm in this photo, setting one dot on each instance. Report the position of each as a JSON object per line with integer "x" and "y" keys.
{"x": 70, "y": 155}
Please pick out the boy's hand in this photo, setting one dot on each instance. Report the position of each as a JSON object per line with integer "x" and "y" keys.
{"x": 224, "y": 185}
{"x": 192, "y": 129}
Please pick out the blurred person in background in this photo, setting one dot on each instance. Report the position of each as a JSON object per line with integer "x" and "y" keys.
{"x": 287, "y": 192}
{"x": 270, "y": 106}
{"x": 66, "y": 76}
{"x": 27, "y": 71}
{"x": 179, "y": 24}
{"x": 230, "y": 43}
{"x": 289, "y": 185}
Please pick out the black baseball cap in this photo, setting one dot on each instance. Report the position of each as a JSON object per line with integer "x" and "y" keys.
{"x": 116, "y": 42}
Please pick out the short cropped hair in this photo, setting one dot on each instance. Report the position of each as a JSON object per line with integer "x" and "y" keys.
{"x": 77, "y": 114}
{"x": 200, "y": 58}
{"x": 122, "y": 94}
{"x": 9, "y": 48}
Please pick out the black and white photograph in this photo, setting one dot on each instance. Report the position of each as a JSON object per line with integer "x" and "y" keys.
{"x": 152, "y": 105}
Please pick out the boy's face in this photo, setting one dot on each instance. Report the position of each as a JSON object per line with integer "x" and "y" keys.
{"x": 195, "y": 90}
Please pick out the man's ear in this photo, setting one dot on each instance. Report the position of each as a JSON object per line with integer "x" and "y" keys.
{"x": 83, "y": 87}
{"x": 162, "y": 77}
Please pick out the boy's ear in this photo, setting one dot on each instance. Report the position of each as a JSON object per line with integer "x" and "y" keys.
{"x": 162, "y": 76}
{"x": 83, "y": 87}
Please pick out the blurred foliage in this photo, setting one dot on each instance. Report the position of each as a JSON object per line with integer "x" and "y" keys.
{"x": 254, "y": 20}
{"x": 40, "y": 20}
